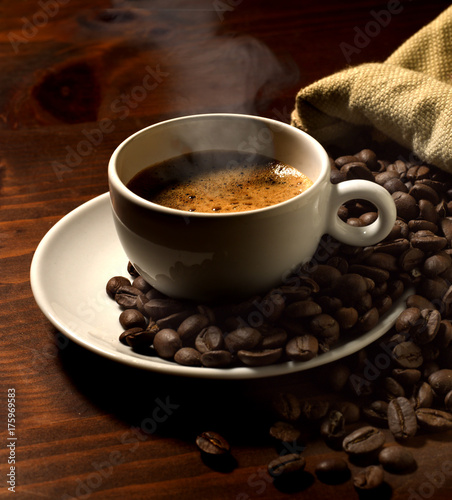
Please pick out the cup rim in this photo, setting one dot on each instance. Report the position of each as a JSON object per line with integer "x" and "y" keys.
{"x": 114, "y": 179}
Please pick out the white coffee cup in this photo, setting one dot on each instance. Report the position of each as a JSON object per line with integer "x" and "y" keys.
{"x": 211, "y": 256}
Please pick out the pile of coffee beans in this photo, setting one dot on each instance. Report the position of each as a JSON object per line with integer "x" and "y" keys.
{"x": 401, "y": 384}
{"x": 339, "y": 295}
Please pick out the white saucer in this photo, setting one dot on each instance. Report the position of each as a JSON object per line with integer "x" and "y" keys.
{"x": 70, "y": 270}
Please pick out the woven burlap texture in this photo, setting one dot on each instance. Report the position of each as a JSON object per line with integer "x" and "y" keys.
{"x": 406, "y": 99}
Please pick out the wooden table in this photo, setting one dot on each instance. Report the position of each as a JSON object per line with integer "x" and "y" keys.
{"x": 76, "y": 78}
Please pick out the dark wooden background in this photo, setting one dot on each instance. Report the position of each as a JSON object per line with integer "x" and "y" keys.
{"x": 65, "y": 66}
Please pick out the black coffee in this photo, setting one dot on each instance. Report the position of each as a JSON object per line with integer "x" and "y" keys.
{"x": 219, "y": 181}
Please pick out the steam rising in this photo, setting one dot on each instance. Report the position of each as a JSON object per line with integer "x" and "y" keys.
{"x": 209, "y": 65}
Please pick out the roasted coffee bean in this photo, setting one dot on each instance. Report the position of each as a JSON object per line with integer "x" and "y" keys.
{"x": 242, "y": 339}
{"x": 382, "y": 260}
{"x": 427, "y": 211}
{"x": 343, "y": 160}
{"x": 422, "y": 225}
{"x": 427, "y": 326}
{"x": 125, "y": 333}
{"x": 448, "y": 401}
{"x": 161, "y": 308}
{"x": 399, "y": 231}
{"x": 188, "y": 356}
{"x": 369, "y": 158}
{"x": 115, "y": 283}
{"x": 207, "y": 311}
{"x": 417, "y": 172}
{"x": 126, "y": 296}
{"x": 444, "y": 336}
{"x": 216, "y": 359}
{"x": 433, "y": 288}
{"x": 141, "y": 300}
{"x": 336, "y": 176}
{"x": 209, "y": 339}
{"x": 131, "y": 318}
{"x": 191, "y": 327}
{"x": 293, "y": 327}
{"x": 369, "y": 478}
{"x": 332, "y": 429}
{"x": 402, "y": 418}
{"x": 131, "y": 270}
{"x": 376, "y": 274}
{"x": 137, "y": 337}
{"x": 398, "y": 166}
{"x": 422, "y": 396}
{"x": 419, "y": 302}
{"x": 260, "y": 357}
{"x": 167, "y": 342}
{"x": 397, "y": 460}
{"x": 351, "y": 411}
{"x": 173, "y": 320}
{"x": 363, "y": 441}
{"x": 376, "y": 413}
{"x": 212, "y": 443}
{"x": 302, "y": 309}
{"x": 393, "y": 247}
{"x": 153, "y": 293}
{"x": 347, "y": 317}
{"x": 392, "y": 388}
{"x": 333, "y": 470}
{"x": 350, "y": 288}
{"x": 406, "y": 205}
{"x": 142, "y": 285}
{"x": 337, "y": 376}
{"x": 446, "y": 227}
{"x": 325, "y": 275}
{"x": 364, "y": 303}
{"x": 368, "y": 218}
{"x": 408, "y": 377}
{"x": 326, "y": 328}
{"x": 383, "y": 177}
{"x": 441, "y": 381}
{"x": 272, "y": 337}
{"x": 339, "y": 263}
{"x": 299, "y": 292}
{"x": 302, "y": 348}
{"x": 285, "y": 432}
{"x": 368, "y": 320}
{"x": 357, "y": 170}
{"x": 395, "y": 184}
{"x": 428, "y": 242}
{"x": 287, "y": 406}
{"x": 434, "y": 420}
{"x": 408, "y": 355}
{"x": 424, "y": 192}
{"x": 408, "y": 320}
{"x": 383, "y": 305}
{"x": 286, "y": 465}
{"x": 315, "y": 409}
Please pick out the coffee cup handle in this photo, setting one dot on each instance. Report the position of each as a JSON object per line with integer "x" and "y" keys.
{"x": 362, "y": 190}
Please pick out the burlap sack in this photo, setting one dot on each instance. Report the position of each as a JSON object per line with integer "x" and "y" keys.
{"x": 407, "y": 99}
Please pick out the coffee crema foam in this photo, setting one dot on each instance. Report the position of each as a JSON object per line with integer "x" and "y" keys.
{"x": 219, "y": 182}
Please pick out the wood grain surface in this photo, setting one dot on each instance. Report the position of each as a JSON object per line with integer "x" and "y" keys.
{"x": 76, "y": 78}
